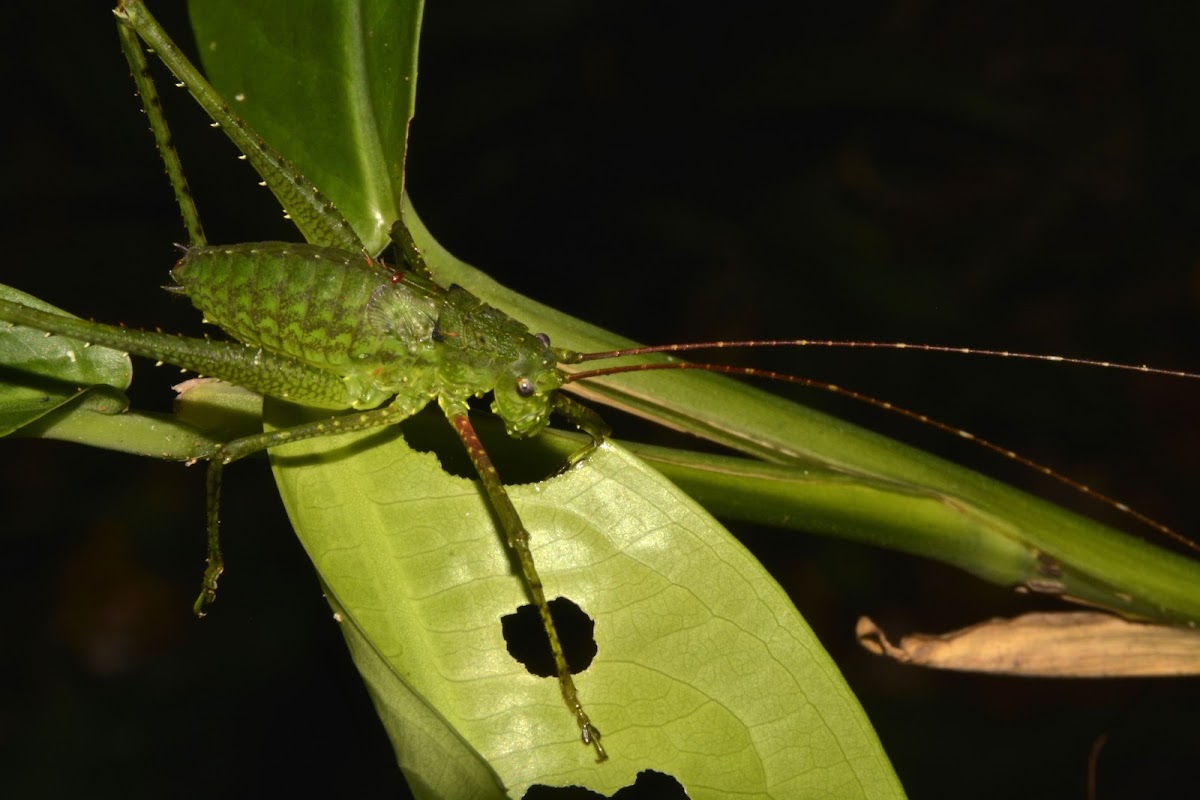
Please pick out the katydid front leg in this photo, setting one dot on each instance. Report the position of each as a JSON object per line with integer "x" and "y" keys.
{"x": 514, "y": 529}
{"x": 518, "y": 540}
{"x": 586, "y": 420}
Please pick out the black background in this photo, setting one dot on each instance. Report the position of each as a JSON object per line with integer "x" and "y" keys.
{"x": 998, "y": 175}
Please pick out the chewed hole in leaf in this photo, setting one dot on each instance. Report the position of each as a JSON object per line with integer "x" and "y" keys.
{"x": 649, "y": 784}
{"x": 527, "y": 641}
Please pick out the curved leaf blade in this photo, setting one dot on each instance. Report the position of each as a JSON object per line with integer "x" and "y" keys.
{"x": 351, "y": 67}
{"x": 705, "y": 670}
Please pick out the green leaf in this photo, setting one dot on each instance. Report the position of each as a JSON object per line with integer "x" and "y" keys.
{"x": 44, "y": 373}
{"x": 350, "y": 65}
{"x": 705, "y": 669}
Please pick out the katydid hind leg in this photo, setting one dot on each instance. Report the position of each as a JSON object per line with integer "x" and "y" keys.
{"x": 407, "y": 251}
{"x": 518, "y": 540}
{"x": 313, "y": 213}
{"x": 135, "y": 55}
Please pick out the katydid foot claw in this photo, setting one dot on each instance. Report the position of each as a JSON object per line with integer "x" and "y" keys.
{"x": 208, "y": 591}
{"x": 591, "y": 735}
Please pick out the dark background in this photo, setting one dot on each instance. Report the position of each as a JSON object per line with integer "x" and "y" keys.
{"x": 1001, "y": 175}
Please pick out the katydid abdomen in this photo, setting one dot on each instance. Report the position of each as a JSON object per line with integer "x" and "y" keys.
{"x": 336, "y": 311}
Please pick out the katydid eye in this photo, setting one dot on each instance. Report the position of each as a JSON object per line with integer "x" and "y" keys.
{"x": 525, "y": 387}
{"x": 543, "y": 338}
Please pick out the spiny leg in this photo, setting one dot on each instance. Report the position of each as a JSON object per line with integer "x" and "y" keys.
{"x": 407, "y": 250}
{"x": 314, "y": 214}
{"x": 518, "y": 540}
{"x": 398, "y": 411}
{"x": 152, "y": 104}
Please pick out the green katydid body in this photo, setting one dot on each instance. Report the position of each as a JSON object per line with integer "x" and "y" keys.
{"x": 336, "y": 330}
{"x": 382, "y": 332}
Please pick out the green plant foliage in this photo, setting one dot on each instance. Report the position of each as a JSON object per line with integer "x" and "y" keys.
{"x": 419, "y": 578}
{"x": 706, "y": 671}
{"x": 69, "y": 372}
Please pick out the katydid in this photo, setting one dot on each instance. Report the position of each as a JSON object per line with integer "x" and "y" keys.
{"x": 334, "y": 329}
{"x": 414, "y": 316}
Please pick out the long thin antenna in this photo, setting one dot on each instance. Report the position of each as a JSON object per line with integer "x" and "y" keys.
{"x": 754, "y": 372}
{"x": 923, "y": 348}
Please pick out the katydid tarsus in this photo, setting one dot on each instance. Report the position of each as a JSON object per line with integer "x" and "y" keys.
{"x": 302, "y": 373}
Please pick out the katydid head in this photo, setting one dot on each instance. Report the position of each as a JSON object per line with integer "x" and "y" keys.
{"x": 524, "y": 396}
